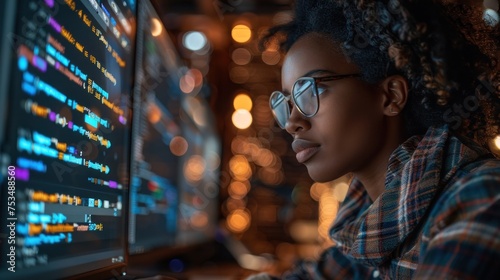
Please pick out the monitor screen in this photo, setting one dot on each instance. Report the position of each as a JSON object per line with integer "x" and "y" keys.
{"x": 157, "y": 137}
{"x": 66, "y": 138}
{"x": 198, "y": 205}
{"x": 175, "y": 152}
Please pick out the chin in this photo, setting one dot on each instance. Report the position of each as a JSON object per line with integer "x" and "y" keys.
{"x": 323, "y": 176}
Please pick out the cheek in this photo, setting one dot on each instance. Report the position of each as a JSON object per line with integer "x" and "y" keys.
{"x": 351, "y": 123}
{"x": 349, "y": 131}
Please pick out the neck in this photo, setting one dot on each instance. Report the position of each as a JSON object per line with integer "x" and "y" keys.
{"x": 373, "y": 174}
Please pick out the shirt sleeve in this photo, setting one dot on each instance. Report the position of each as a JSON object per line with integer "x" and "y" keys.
{"x": 333, "y": 264}
{"x": 464, "y": 242}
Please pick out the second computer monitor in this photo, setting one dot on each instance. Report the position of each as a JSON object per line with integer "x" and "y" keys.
{"x": 175, "y": 153}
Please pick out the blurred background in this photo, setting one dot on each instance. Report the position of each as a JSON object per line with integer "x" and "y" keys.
{"x": 266, "y": 199}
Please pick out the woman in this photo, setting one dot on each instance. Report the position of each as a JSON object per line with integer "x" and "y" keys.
{"x": 393, "y": 92}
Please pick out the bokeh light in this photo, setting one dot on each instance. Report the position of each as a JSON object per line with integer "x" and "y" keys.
{"x": 240, "y": 168}
{"x": 241, "y": 56}
{"x": 154, "y": 114}
{"x": 213, "y": 161}
{"x": 271, "y": 57}
{"x": 187, "y": 83}
{"x": 340, "y": 190}
{"x": 242, "y": 101}
{"x": 262, "y": 112}
{"x": 242, "y": 119}
{"x": 199, "y": 219}
{"x": 497, "y": 142}
{"x": 328, "y": 208}
{"x": 211, "y": 189}
{"x": 317, "y": 190}
{"x": 196, "y": 110}
{"x": 194, "y": 40}
{"x": 194, "y": 168}
{"x": 491, "y": 17}
{"x": 178, "y": 145}
{"x": 253, "y": 262}
{"x": 264, "y": 158}
{"x": 197, "y": 76}
{"x": 238, "y": 190}
{"x": 239, "y": 220}
{"x": 241, "y": 33}
{"x": 237, "y": 145}
{"x": 271, "y": 176}
{"x": 156, "y": 27}
{"x": 304, "y": 231}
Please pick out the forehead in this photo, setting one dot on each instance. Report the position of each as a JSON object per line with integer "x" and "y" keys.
{"x": 314, "y": 52}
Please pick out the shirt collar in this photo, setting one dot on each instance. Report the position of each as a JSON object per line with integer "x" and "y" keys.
{"x": 416, "y": 172}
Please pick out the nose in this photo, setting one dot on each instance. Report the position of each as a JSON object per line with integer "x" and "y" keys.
{"x": 297, "y": 122}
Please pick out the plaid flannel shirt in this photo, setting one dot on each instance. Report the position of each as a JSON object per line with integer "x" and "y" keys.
{"x": 438, "y": 218}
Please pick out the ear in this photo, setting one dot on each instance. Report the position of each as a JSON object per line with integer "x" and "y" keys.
{"x": 395, "y": 95}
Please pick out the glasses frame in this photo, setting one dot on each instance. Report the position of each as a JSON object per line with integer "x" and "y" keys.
{"x": 315, "y": 81}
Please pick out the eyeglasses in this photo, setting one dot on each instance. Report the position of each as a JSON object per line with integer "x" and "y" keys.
{"x": 305, "y": 96}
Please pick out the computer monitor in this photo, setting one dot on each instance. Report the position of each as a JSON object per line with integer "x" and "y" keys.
{"x": 199, "y": 196}
{"x": 175, "y": 154}
{"x": 66, "y": 83}
{"x": 154, "y": 186}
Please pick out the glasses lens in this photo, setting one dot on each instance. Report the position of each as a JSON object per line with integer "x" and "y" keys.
{"x": 279, "y": 106}
{"x": 304, "y": 97}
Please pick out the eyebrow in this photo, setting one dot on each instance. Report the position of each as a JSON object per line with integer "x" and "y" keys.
{"x": 313, "y": 72}
{"x": 318, "y": 71}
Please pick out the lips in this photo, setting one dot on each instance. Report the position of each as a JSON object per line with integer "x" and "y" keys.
{"x": 304, "y": 149}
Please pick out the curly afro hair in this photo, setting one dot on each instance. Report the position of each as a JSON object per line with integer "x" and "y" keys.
{"x": 445, "y": 50}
